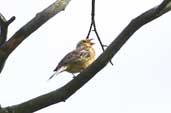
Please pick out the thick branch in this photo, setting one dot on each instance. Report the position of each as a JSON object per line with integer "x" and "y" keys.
{"x": 34, "y": 24}
{"x": 3, "y": 29}
{"x": 27, "y": 29}
{"x": 66, "y": 91}
{"x": 3, "y": 36}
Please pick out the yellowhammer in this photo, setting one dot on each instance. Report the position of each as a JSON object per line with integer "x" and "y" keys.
{"x": 78, "y": 59}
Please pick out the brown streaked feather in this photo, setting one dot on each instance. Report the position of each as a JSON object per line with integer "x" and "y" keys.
{"x": 74, "y": 57}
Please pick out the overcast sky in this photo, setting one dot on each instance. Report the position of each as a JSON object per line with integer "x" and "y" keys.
{"x": 139, "y": 81}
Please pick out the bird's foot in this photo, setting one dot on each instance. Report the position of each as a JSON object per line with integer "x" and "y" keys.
{"x": 74, "y": 76}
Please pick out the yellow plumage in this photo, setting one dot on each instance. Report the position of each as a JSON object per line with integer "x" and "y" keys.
{"x": 78, "y": 59}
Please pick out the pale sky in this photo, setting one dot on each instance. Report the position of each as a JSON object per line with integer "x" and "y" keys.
{"x": 139, "y": 81}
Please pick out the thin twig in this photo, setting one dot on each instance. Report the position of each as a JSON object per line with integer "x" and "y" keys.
{"x": 89, "y": 30}
{"x": 93, "y": 25}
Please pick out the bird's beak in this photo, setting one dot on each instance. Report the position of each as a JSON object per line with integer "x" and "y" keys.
{"x": 92, "y": 43}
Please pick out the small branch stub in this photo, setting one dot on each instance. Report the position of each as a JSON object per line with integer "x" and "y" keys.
{"x": 4, "y": 28}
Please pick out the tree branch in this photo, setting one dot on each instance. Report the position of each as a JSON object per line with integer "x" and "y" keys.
{"x": 4, "y": 28}
{"x": 34, "y": 24}
{"x": 3, "y": 36}
{"x": 93, "y": 24}
{"x": 29, "y": 28}
{"x": 70, "y": 88}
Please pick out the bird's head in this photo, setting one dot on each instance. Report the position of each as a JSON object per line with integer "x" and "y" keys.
{"x": 85, "y": 42}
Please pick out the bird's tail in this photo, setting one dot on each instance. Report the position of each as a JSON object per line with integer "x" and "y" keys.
{"x": 61, "y": 69}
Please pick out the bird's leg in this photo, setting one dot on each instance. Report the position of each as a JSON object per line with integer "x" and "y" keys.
{"x": 74, "y": 76}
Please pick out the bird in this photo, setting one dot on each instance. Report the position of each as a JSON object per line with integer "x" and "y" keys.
{"x": 78, "y": 59}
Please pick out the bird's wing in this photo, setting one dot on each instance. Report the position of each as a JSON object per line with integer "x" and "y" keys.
{"x": 75, "y": 56}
